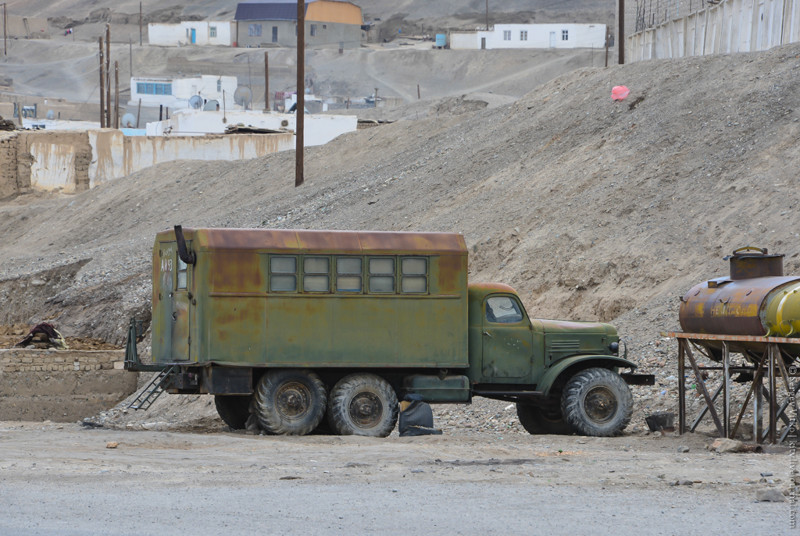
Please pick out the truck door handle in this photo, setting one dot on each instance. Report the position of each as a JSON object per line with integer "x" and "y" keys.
{"x": 487, "y": 334}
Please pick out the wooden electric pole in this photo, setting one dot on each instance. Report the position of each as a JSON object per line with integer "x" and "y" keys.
{"x": 108, "y": 75}
{"x": 621, "y": 32}
{"x": 301, "y": 92}
{"x": 487, "y": 15}
{"x": 116, "y": 94}
{"x": 266, "y": 81}
{"x": 140, "y": 24}
{"x": 5, "y": 31}
{"x": 102, "y": 85}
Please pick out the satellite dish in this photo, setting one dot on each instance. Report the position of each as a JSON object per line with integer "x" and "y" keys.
{"x": 243, "y": 96}
{"x": 128, "y": 121}
{"x": 50, "y": 115}
{"x": 211, "y": 106}
{"x": 196, "y": 102}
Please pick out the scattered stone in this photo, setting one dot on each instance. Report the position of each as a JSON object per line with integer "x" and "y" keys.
{"x": 769, "y": 495}
{"x": 722, "y": 445}
{"x": 112, "y": 445}
{"x": 683, "y": 448}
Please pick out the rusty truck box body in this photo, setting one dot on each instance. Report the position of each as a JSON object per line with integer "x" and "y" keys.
{"x": 287, "y": 298}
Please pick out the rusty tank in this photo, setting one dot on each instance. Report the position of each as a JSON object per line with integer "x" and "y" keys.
{"x": 755, "y": 299}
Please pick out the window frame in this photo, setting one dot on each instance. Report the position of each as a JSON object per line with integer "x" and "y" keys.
{"x": 359, "y": 274}
{"x": 414, "y": 276}
{"x": 565, "y": 35}
{"x": 506, "y": 35}
{"x": 306, "y": 274}
{"x": 370, "y": 275}
{"x": 273, "y": 273}
{"x": 212, "y": 32}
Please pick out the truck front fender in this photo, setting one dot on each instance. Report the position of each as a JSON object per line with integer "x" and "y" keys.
{"x": 571, "y": 365}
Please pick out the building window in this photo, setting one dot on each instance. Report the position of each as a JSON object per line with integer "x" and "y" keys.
{"x": 324, "y": 26}
{"x": 274, "y": 34}
{"x": 313, "y": 30}
{"x": 316, "y": 274}
{"x": 523, "y": 35}
{"x": 212, "y": 31}
{"x": 254, "y": 30}
{"x": 565, "y": 35}
{"x": 348, "y": 274}
{"x": 414, "y": 275}
{"x": 283, "y": 274}
{"x": 150, "y": 88}
{"x": 381, "y": 275}
{"x": 506, "y": 35}
{"x": 219, "y": 85}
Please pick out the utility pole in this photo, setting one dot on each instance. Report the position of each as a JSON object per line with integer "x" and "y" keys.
{"x": 301, "y": 92}
{"x": 266, "y": 81}
{"x": 140, "y": 24}
{"x": 116, "y": 94}
{"x": 487, "y": 15}
{"x": 102, "y": 86}
{"x": 108, "y": 75}
{"x": 621, "y": 32}
{"x": 5, "y": 31}
{"x": 130, "y": 56}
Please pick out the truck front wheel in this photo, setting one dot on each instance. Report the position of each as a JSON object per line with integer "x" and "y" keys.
{"x": 290, "y": 402}
{"x": 597, "y": 402}
{"x": 537, "y": 420}
{"x": 363, "y": 404}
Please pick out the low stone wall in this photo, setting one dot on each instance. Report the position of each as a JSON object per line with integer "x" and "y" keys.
{"x": 61, "y": 385}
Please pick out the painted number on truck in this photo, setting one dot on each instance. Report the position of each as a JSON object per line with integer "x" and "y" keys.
{"x": 166, "y": 269}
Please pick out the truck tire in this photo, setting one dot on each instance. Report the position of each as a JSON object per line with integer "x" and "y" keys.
{"x": 537, "y": 420}
{"x": 290, "y": 402}
{"x": 597, "y": 402}
{"x": 233, "y": 409}
{"x": 363, "y": 404}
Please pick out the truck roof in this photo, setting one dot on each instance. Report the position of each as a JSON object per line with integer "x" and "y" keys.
{"x": 338, "y": 242}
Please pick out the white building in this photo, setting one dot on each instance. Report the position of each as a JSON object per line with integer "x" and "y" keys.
{"x": 318, "y": 129}
{"x": 174, "y": 93}
{"x": 191, "y": 33}
{"x": 532, "y": 36}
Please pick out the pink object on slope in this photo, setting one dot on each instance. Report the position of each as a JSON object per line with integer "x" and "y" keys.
{"x": 619, "y": 92}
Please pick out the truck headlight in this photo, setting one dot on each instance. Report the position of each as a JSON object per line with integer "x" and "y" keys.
{"x": 614, "y": 347}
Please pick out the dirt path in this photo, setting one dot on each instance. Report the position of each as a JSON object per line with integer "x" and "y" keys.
{"x": 63, "y": 479}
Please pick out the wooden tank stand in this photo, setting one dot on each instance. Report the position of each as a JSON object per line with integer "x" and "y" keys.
{"x": 766, "y": 368}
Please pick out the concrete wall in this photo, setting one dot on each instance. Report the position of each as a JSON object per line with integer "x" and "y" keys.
{"x": 728, "y": 27}
{"x": 533, "y": 36}
{"x": 61, "y": 385}
{"x": 183, "y": 89}
{"x": 75, "y": 161}
{"x": 181, "y": 34}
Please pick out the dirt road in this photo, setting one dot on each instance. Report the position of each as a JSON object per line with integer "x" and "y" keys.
{"x": 62, "y": 479}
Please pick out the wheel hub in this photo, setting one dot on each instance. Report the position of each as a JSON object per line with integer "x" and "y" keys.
{"x": 293, "y": 399}
{"x": 365, "y": 409}
{"x": 600, "y": 404}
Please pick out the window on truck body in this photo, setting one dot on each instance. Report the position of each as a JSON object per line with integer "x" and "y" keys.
{"x": 181, "y": 281}
{"x": 349, "y": 272}
{"x": 283, "y": 273}
{"x": 316, "y": 274}
{"x": 414, "y": 275}
{"x": 381, "y": 275}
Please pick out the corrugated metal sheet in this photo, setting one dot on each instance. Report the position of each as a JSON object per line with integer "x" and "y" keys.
{"x": 316, "y": 11}
{"x": 267, "y": 11}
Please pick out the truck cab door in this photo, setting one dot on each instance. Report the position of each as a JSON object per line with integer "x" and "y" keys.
{"x": 507, "y": 339}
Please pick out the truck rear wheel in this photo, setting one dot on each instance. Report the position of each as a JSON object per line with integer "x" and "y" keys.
{"x": 290, "y": 402}
{"x": 597, "y": 402}
{"x": 363, "y": 404}
{"x": 537, "y": 420}
{"x": 233, "y": 409}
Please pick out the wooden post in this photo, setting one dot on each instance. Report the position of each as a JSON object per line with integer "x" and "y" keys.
{"x": 418, "y": 93}
{"x": 5, "y": 31}
{"x": 108, "y": 75}
{"x": 681, "y": 387}
{"x": 116, "y": 95}
{"x": 102, "y": 86}
{"x": 266, "y": 81}
{"x": 621, "y": 32}
{"x": 607, "y": 34}
{"x": 140, "y": 24}
{"x": 138, "y": 112}
{"x": 301, "y": 92}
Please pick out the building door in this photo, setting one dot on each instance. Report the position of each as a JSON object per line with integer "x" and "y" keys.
{"x": 552, "y": 39}
{"x": 194, "y": 36}
{"x": 483, "y": 43}
{"x": 274, "y": 34}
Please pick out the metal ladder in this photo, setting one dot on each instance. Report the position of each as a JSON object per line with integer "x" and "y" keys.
{"x": 153, "y": 390}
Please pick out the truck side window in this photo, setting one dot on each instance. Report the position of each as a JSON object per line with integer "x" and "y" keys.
{"x": 181, "y": 274}
{"x": 502, "y": 310}
{"x": 414, "y": 275}
{"x": 381, "y": 274}
{"x": 283, "y": 274}
{"x": 348, "y": 274}
{"x": 316, "y": 274}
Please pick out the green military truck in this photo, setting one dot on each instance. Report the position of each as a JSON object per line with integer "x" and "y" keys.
{"x": 298, "y": 330}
